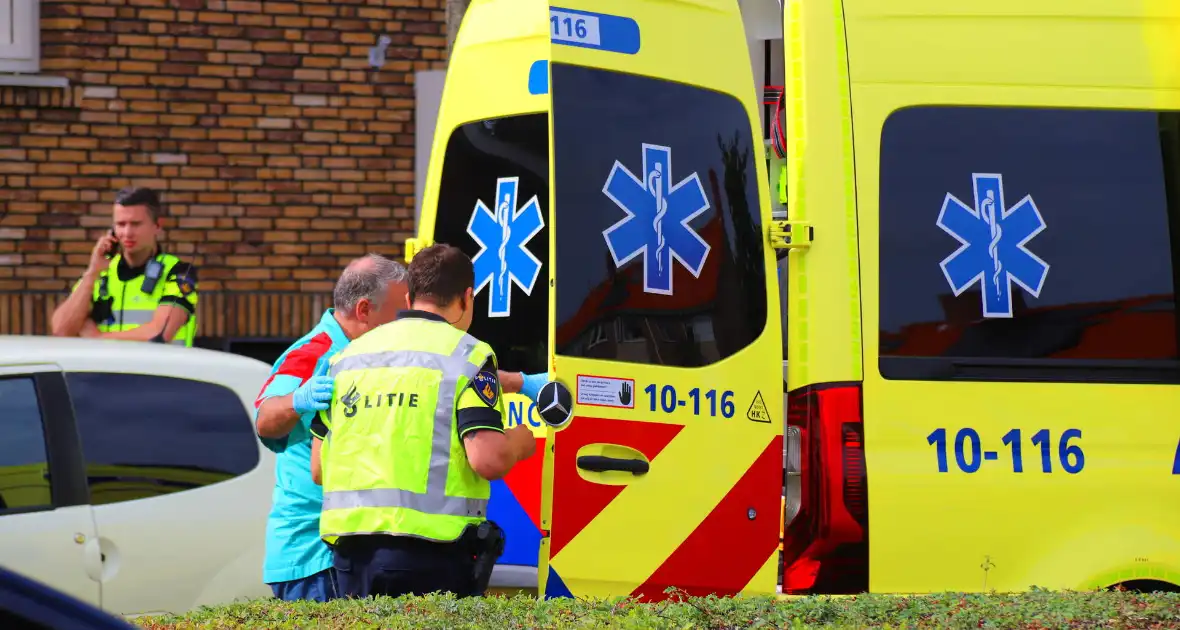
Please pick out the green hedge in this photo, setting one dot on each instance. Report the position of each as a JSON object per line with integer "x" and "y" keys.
{"x": 1037, "y": 609}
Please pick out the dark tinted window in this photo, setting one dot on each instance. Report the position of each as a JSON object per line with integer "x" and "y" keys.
{"x": 144, "y": 436}
{"x": 1088, "y": 296}
{"x": 679, "y": 281}
{"x": 495, "y": 183}
{"x": 24, "y": 466}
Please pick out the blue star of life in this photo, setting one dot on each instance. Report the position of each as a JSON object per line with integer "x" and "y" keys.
{"x": 993, "y": 248}
{"x": 503, "y": 259}
{"x": 656, "y": 225}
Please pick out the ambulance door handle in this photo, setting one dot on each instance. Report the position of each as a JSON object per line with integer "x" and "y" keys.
{"x": 600, "y": 463}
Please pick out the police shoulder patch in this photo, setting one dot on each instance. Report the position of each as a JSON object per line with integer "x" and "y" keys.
{"x": 487, "y": 387}
{"x": 185, "y": 276}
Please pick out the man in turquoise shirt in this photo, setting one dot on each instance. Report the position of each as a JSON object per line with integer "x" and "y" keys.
{"x": 368, "y": 294}
{"x": 298, "y": 564}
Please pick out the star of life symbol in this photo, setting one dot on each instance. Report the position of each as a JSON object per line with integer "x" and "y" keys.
{"x": 503, "y": 259}
{"x": 656, "y": 225}
{"x": 993, "y": 239}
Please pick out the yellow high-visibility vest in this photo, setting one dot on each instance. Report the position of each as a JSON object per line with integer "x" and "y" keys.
{"x": 392, "y": 460}
{"x": 125, "y": 305}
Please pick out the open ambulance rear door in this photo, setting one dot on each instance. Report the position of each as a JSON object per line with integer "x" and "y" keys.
{"x": 670, "y": 472}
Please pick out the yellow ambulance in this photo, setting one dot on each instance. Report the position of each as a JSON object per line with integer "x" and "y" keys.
{"x": 981, "y": 233}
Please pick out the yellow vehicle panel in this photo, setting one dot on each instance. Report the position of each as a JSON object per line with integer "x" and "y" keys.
{"x": 521, "y": 410}
{"x": 1058, "y": 468}
{"x": 665, "y": 342}
{"x": 495, "y": 48}
{"x": 823, "y": 324}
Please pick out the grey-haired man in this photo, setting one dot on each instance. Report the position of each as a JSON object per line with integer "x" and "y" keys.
{"x": 370, "y": 292}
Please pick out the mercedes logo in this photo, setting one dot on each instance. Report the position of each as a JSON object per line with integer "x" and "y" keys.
{"x": 555, "y": 404}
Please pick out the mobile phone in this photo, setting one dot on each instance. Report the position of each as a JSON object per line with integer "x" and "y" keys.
{"x": 114, "y": 248}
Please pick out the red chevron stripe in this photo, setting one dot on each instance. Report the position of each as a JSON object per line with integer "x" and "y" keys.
{"x": 524, "y": 480}
{"x": 722, "y": 555}
{"x": 576, "y": 501}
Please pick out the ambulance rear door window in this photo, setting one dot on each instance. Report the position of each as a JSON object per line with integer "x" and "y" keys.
{"x": 1029, "y": 244}
{"x": 493, "y": 204}
{"x": 660, "y": 254}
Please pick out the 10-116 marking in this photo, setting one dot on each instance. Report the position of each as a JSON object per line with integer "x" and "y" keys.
{"x": 669, "y": 400}
{"x": 969, "y": 453}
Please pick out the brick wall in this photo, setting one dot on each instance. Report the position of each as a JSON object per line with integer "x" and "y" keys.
{"x": 280, "y": 153}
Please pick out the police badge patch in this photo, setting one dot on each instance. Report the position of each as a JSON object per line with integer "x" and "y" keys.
{"x": 185, "y": 283}
{"x": 487, "y": 387}
{"x": 185, "y": 276}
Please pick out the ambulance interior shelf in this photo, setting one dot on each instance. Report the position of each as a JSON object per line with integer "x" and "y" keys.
{"x": 776, "y": 167}
{"x": 776, "y": 156}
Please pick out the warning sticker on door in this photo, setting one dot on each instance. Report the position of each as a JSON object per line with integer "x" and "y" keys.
{"x": 758, "y": 411}
{"x": 604, "y": 391}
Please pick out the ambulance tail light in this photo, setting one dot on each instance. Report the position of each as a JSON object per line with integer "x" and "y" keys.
{"x": 825, "y": 543}
{"x": 792, "y": 475}
{"x": 856, "y": 490}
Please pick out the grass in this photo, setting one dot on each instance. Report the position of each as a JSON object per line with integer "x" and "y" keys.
{"x": 1036, "y": 609}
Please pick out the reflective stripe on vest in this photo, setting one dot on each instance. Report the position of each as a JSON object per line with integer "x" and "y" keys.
{"x": 135, "y": 318}
{"x": 435, "y": 500}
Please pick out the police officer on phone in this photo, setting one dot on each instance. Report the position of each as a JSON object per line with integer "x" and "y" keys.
{"x": 411, "y": 440}
{"x": 132, "y": 289}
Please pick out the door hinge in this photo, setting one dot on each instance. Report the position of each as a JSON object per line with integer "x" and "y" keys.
{"x": 414, "y": 245}
{"x": 791, "y": 234}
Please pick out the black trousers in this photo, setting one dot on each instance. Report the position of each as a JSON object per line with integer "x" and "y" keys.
{"x": 372, "y": 565}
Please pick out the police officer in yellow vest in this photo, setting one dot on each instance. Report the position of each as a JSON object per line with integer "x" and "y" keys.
{"x": 412, "y": 438}
{"x": 132, "y": 289}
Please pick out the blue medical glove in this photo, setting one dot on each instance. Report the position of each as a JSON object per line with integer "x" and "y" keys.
{"x": 532, "y": 385}
{"x": 314, "y": 395}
